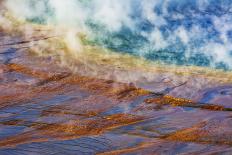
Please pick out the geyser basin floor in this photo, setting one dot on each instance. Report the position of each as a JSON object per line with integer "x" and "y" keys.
{"x": 46, "y": 109}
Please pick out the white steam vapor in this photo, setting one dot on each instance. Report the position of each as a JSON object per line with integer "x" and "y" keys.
{"x": 113, "y": 15}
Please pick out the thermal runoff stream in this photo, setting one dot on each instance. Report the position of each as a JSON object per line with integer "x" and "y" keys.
{"x": 85, "y": 77}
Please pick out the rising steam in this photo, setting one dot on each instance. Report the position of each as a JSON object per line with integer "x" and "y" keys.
{"x": 193, "y": 32}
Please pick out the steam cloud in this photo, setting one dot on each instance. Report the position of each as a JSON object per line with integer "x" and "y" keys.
{"x": 193, "y": 32}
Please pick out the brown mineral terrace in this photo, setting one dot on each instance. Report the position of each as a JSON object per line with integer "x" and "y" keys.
{"x": 107, "y": 103}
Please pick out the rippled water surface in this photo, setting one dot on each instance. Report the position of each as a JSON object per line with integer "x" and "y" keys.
{"x": 156, "y": 79}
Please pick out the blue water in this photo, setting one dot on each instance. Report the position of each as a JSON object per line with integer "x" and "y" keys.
{"x": 132, "y": 41}
{"x": 181, "y": 32}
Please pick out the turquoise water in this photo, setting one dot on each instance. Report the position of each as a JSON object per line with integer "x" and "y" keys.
{"x": 181, "y": 32}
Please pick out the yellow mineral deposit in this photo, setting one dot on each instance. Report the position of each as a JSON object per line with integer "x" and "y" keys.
{"x": 60, "y": 94}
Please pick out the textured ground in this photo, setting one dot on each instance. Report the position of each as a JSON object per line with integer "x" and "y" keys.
{"x": 48, "y": 109}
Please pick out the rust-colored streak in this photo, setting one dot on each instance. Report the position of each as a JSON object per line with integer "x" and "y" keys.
{"x": 68, "y": 130}
{"x": 41, "y": 101}
{"x": 169, "y": 100}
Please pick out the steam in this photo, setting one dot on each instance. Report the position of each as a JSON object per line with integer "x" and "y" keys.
{"x": 195, "y": 32}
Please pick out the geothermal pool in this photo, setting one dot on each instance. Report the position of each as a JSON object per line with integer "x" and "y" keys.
{"x": 115, "y": 77}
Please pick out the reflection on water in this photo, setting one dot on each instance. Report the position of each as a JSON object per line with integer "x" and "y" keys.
{"x": 47, "y": 109}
